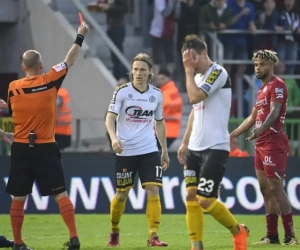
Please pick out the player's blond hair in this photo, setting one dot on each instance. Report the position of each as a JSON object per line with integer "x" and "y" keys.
{"x": 143, "y": 57}
{"x": 266, "y": 54}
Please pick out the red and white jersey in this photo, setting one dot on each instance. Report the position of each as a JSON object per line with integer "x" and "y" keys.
{"x": 135, "y": 122}
{"x": 273, "y": 91}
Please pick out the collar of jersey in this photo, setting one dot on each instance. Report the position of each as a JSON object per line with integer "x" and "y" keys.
{"x": 140, "y": 91}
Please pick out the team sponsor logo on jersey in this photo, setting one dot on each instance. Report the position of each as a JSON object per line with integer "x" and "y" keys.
{"x": 213, "y": 76}
{"x": 262, "y": 102}
{"x": 59, "y": 67}
{"x": 260, "y": 111}
{"x": 136, "y": 113}
{"x": 130, "y": 96}
{"x": 152, "y": 99}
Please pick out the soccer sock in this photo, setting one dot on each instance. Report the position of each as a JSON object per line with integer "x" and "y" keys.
{"x": 272, "y": 225}
{"x": 287, "y": 221}
{"x": 194, "y": 220}
{"x": 153, "y": 213}
{"x": 17, "y": 218}
{"x": 116, "y": 211}
{"x": 222, "y": 215}
{"x": 68, "y": 214}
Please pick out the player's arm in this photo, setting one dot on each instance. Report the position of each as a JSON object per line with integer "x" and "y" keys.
{"x": 74, "y": 50}
{"x": 110, "y": 123}
{"x": 113, "y": 112}
{"x": 160, "y": 125}
{"x": 275, "y": 108}
{"x": 195, "y": 94}
{"x": 188, "y": 131}
{"x": 278, "y": 97}
{"x": 246, "y": 125}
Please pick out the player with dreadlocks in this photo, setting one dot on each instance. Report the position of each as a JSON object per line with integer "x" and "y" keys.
{"x": 271, "y": 147}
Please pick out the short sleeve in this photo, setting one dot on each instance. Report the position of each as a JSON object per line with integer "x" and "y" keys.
{"x": 216, "y": 79}
{"x": 57, "y": 74}
{"x": 159, "y": 111}
{"x": 279, "y": 92}
{"x": 116, "y": 102}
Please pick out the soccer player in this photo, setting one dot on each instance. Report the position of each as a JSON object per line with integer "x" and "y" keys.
{"x": 271, "y": 147}
{"x": 205, "y": 147}
{"x": 135, "y": 105}
{"x": 35, "y": 155}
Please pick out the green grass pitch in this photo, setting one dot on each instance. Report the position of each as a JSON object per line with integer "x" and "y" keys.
{"x": 48, "y": 232}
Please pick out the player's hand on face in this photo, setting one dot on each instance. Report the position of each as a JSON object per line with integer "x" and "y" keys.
{"x": 189, "y": 59}
{"x": 116, "y": 146}
{"x": 3, "y": 104}
{"x": 8, "y": 138}
{"x": 256, "y": 132}
{"x": 181, "y": 153}
{"x": 165, "y": 160}
{"x": 83, "y": 29}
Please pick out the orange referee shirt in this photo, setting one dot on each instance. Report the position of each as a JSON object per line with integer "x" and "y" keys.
{"x": 173, "y": 107}
{"x": 32, "y": 103}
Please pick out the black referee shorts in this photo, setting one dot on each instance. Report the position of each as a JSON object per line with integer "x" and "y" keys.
{"x": 42, "y": 164}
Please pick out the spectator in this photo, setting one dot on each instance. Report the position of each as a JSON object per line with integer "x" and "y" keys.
{"x": 162, "y": 32}
{"x": 268, "y": 19}
{"x": 258, "y": 5}
{"x": 115, "y": 11}
{"x": 279, "y": 4}
{"x": 243, "y": 19}
{"x": 187, "y": 17}
{"x": 215, "y": 15}
{"x": 287, "y": 48}
{"x": 235, "y": 150}
{"x": 63, "y": 129}
{"x": 172, "y": 105}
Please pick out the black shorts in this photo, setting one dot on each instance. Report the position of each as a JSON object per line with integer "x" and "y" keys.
{"x": 148, "y": 167}
{"x": 63, "y": 141}
{"x": 42, "y": 164}
{"x": 204, "y": 171}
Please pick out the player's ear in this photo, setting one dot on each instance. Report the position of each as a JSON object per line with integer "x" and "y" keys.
{"x": 23, "y": 67}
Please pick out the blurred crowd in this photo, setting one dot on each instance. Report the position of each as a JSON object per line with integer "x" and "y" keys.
{"x": 172, "y": 20}
{"x": 253, "y": 25}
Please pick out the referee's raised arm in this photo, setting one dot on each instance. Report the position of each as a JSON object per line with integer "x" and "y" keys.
{"x": 74, "y": 51}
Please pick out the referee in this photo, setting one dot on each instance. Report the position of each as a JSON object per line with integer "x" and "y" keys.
{"x": 34, "y": 153}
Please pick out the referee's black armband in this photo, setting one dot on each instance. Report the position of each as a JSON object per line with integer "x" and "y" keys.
{"x": 79, "y": 39}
